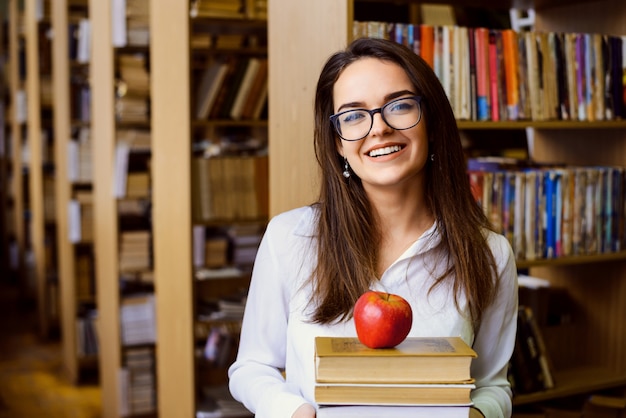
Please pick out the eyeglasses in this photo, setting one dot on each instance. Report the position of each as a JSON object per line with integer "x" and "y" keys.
{"x": 399, "y": 114}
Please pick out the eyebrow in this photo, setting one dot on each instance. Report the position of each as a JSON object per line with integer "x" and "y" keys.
{"x": 387, "y": 98}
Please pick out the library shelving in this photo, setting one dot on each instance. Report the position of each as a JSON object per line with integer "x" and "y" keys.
{"x": 588, "y": 356}
{"x": 15, "y": 116}
{"x": 187, "y": 227}
{"x": 39, "y": 141}
{"x": 105, "y": 208}
{"x": 5, "y": 162}
{"x": 70, "y": 21}
{"x": 121, "y": 199}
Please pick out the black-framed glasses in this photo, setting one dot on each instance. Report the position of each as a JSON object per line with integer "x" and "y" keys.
{"x": 399, "y": 114}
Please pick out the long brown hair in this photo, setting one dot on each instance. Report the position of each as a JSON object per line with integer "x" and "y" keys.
{"x": 348, "y": 237}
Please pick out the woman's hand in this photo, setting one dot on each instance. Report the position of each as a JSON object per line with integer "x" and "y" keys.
{"x": 475, "y": 413}
{"x": 304, "y": 411}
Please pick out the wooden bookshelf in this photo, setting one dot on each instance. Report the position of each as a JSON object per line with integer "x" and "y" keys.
{"x": 172, "y": 208}
{"x": 105, "y": 206}
{"x": 65, "y": 67}
{"x": 5, "y": 160}
{"x": 575, "y": 381}
{"x": 15, "y": 125}
{"x": 44, "y": 272}
{"x": 597, "y": 283}
{"x": 174, "y": 57}
{"x": 293, "y": 74}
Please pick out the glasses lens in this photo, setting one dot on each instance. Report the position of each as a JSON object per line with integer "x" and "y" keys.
{"x": 353, "y": 124}
{"x": 402, "y": 113}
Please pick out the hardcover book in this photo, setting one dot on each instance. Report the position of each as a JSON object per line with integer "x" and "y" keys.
{"x": 393, "y": 394}
{"x": 372, "y": 411}
{"x": 415, "y": 360}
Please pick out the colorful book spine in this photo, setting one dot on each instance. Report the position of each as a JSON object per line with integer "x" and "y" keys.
{"x": 482, "y": 73}
{"x": 427, "y": 43}
{"x": 494, "y": 99}
{"x": 550, "y": 191}
{"x": 511, "y": 51}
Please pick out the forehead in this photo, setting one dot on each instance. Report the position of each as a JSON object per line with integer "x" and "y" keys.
{"x": 369, "y": 79}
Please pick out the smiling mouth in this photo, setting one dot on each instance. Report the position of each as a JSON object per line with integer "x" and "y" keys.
{"x": 379, "y": 152}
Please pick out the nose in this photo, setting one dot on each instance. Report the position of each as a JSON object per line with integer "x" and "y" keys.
{"x": 379, "y": 126}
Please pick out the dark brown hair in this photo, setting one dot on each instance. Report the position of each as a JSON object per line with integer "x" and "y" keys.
{"x": 348, "y": 239}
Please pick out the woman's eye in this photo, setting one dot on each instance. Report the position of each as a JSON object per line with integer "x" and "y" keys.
{"x": 401, "y": 106}
{"x": 352, "y": 117}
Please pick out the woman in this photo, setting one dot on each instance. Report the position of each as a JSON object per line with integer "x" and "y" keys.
{"x": 395, "y": 213}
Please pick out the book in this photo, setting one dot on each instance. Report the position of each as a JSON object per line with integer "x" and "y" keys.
{"x": 256, "y": 90}
{"x": 209, "y": 87}
{"x": 545, "y": 363}
{"x": 511, "y": 62}
{"x": 415, "y": 360}
{"x": 427, "y": 44}
{"x": 373, "y": 411}
{"x": 243, "y": 90}
{"x": 393, "y": 394}
{"x": 482, "y": 73}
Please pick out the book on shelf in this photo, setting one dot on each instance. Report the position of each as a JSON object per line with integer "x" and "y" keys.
{"x": 234, "y": 82}
{"x": 257, "y": 93}
{"x": 545, "y": 362}
{"x": 229, "y": 187}
{"x": 530, "y": 363}
{"x": 560, "y": 210}
{"x": 139, "y": 382}
{"x": 376, "y": 411}
{"x": 137, "y": 317}
{"x": 415, "y": 360}
{"x": 243, "y": 90}
{"x": 393, "y": 394}
{"x": 519, "y": 75}
{"x": 210, "y": 84}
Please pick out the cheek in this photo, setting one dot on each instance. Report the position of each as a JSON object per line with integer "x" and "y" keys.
{"x": 350, "y": 148}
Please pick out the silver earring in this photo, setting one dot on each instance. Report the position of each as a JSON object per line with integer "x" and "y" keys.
{"x": 432, "y": 157}
{"x": 346, "y": 168}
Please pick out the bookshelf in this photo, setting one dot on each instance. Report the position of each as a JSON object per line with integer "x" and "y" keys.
{"x": 5, "y": 161}
{"x": 105, "y": 210}
{"x": 186, "y": 52}
{"x": 120, "y": 137}
{"x": 73, "y": 168}
{"x": 14, "y": 138}
{"x": 39, "y": 142}
{"x": 593, "y": 357}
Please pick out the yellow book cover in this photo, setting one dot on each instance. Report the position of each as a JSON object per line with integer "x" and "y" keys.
{"x": 415, "y": 360}
{"x": 393, "y": 394}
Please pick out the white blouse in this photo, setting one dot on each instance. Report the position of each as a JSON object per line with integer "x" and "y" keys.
{"x": 277, "y": 334}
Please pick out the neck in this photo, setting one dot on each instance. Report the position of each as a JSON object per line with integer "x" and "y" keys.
{"x": 402, "y": 217}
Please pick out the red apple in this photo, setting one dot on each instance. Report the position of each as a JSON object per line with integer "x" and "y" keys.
{"x": 382, "y": 320}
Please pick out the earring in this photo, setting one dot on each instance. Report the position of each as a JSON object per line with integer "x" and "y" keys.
{"x": 432, "y": 157}
{"x": 346, "y": 168}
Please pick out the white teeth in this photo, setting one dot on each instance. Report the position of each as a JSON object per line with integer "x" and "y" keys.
{"x": 384, "y": 151}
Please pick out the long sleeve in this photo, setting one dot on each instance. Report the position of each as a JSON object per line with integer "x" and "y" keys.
{"x": 496, "y": 338}
{"x": 255, "y": 377}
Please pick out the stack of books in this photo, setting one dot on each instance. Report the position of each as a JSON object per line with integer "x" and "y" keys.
{"x": 408, "y": 380}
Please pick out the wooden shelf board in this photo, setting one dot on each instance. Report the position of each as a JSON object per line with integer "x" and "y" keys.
{"x": 578, "y": 259}
{"x": 229, "y": 123}
{"x": 551, "y": 124}
{"x": 499, "y": 5}
{"x": 575, "y": 382}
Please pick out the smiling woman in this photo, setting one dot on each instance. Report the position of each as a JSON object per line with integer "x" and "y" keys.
{"x": 395, "y": 215}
